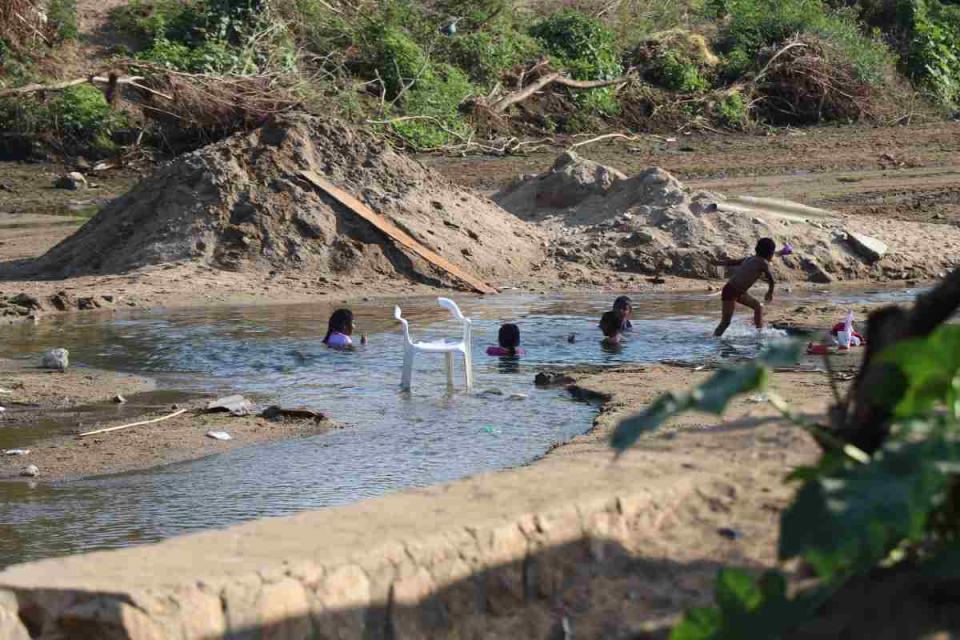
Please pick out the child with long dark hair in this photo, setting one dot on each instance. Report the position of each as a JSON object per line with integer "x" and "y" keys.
{"x": 340, "y": 330}
{"x": 509, "y": 339}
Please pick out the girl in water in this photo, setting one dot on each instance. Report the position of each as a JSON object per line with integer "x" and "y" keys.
{"x": 509, "y": 339}
{"x": 340, "y": 330}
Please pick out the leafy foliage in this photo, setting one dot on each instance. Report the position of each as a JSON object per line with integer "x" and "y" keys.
{"x": 587, "y": 49}
{"x": 672, "y": 71}
{"x": 751, "y": 26}
{"x": 62, "y": 17}
{"x": 934, "y": 47}
{"x": 852, "y": 512}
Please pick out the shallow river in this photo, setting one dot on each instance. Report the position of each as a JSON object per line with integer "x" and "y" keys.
{"x": 392, "y": 440}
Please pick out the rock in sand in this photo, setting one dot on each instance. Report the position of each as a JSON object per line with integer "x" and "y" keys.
{"x": 30, "y": 471}
{"x": 74, "y": 181}
{"x": 58, "y": 359}
{"x": 870, "y": 249}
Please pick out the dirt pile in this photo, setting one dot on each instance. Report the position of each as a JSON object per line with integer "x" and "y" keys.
{"x": 651, "y": 223}
{"x": 242, "y": 204}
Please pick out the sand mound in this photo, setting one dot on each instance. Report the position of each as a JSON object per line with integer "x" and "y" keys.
{"x": 241, "y": 204}
{"x": 652, "y": 223}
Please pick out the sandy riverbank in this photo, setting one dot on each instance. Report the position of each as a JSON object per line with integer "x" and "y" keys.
{"x": 47, "y": 409}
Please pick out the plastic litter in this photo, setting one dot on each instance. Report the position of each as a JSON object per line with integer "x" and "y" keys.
{"x": 448, "y": 348}
{"x": 492, "y": 430}
{"x": 517, "y": 396}
{"x": 236, "y": 404}
{"x": 219, "y": 435}
{"x": 16, "y": 452}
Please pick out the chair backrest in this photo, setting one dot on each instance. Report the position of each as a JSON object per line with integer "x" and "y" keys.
{"x": 451, "y": 306}
{"x": 406, "y": 326}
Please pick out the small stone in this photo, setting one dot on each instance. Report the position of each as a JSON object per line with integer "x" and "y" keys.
{"x": 119, "y": 399}
{"x": 86, "y": 304}
{"x": 517, "y": 396}
{"x": 729, "y": 533}
{"x": 58, "y": 359}
{"x": 26, "y": 300}
{"x": 544, "y": 379}
{"x": 73, "y": 181}
{"x": 219, "y": 435}
{"x": 30, "y": 471}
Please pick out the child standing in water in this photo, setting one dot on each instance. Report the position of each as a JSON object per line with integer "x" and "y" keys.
{"x": 748, "y": 272}
{"x": 509, "y": 339}
{"x": 340, "y": 330}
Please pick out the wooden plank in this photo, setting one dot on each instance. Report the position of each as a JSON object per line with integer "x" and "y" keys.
{"x": 395, "y": 233}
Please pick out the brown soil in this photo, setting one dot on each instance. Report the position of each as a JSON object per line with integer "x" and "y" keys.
{"x": 738, "y": 463}
{"x": 42, "y": 390}
{"x": 181, "y": 438}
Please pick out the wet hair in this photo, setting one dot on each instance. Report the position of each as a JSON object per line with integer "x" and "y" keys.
{"x": 610, "y": 324}
{"x": 622, "y": 303}
{"x": 765, "y": 248}
{"x": 509, "y": 338}
{"x": 340, "y": 321}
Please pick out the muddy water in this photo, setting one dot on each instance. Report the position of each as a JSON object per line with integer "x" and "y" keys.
{"x": 392, "y": 440}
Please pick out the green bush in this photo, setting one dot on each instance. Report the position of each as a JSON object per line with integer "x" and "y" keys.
{"x": 485, "y": 55}
{"x": 78, "y": 119}
{"x": 436, "y": 96}
{"x": 62, "y": 17}
{"x": 934, "y": 48}
{"x": 587, "y": 49}
{"x": 673, "y": 71}
{"x": 732, "y": 109}
{"x": 751, "y": 26}
{"x": 581, "y": 44}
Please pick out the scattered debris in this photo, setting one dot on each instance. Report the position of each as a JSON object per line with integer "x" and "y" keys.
{"x": 235, "y": 404}
{"x": 133, "y": 424}
{"x": 275, "y": 412}
{"x": 219, "y": 435}
{"x": 16, "y": 452}
{"x": 30, "y": 471}
{"x": 73, "y": 181}
{"x": 58, "y": 359}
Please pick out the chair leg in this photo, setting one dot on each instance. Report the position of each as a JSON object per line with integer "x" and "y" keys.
{"x": 407, "y": 369}
{"x": 449, "y": 359}
{"x": 468, "y": 370}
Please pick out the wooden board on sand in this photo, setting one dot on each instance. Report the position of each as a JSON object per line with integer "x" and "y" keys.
{"x": 395, "y": 233}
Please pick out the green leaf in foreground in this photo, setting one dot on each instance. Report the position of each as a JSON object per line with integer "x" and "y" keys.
{"x": 746, "y": 608}
{"x": 852, "y": 519}
{"x": 930, "y": 368}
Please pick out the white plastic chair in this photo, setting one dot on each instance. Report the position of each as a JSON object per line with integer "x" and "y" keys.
{"x": 448, "y": 348}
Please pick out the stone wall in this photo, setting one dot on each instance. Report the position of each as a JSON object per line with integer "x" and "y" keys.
{"x": 442, "y": 562}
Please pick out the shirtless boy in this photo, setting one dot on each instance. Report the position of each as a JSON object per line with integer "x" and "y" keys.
{"x": 748, "y": 272}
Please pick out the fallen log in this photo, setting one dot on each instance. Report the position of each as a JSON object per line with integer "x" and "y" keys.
{"x": 555, "y": 78}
